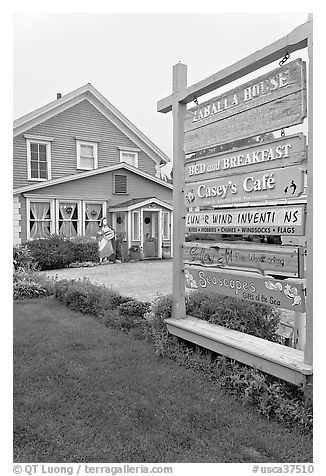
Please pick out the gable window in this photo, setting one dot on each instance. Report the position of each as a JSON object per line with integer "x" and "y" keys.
{"x": 40, "y": 219}
{"x": 68, "y": 219}
{"x": 86, "y": 155}
{"x": 38, "y": 158}
{"x": 129, "y": 156}
{"x": 119, "y": 183}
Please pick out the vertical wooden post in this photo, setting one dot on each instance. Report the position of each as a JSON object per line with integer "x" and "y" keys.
{"x": 308, "y": 349}
{"x": 178, "y": 112}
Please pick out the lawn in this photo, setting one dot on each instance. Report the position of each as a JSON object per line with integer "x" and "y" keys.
{"x": 86, "y": 393}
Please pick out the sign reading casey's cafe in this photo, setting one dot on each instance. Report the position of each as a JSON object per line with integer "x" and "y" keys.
{"x": 279, "y": 260}
{"x": 270, "y": 184}
{"x": 284, "y": 294}
{"x": 268, "y": 103}
{"x": 279, "y": 220}
{"x": 281, "y": 152}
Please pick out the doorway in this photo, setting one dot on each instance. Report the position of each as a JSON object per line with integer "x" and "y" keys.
{"x": 151, "y": 233}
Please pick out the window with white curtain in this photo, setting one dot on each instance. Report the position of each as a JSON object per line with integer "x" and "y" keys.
{"x": 166, "y": 225}
{"x": 86, "y": 155}
{"x": 92, "y": 216}
{"x": 39, "y": 219}
{"x": 68, "y": 219}
{"x": 135, "y": 225}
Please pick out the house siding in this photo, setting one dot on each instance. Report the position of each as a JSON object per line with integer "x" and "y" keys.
{"x": 16, "y": 221}
{"x": 81, "y": 120}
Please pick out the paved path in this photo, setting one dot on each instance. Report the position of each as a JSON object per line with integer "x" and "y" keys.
{"x": 143, "y": 280}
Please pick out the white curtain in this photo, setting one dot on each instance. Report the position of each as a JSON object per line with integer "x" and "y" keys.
{"x": 41, "y": 226}
{"x": 92, "y": 219}
{"x": 66, "y": 225}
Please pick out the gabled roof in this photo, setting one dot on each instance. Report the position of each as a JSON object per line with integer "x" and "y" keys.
{"x": 81, "y": 175}
{"x": 137, "y": 202}
{"x": 104, "y": 106}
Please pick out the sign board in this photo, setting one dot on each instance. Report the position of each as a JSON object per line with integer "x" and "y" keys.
{"x": 268, "y": 103}
{"x": 277, "y": 220}
{"x": 278, "y": 153}
{"x": 283, "y": 294}
{"x": 270, "y": 184}
{"x": 279, "y": 260}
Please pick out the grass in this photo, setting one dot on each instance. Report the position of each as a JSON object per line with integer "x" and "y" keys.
{"x": 87, "y": 393}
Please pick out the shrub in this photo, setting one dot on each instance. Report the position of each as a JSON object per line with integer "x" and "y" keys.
{"x": 251, "y": 318}
{"x": 51, "y": 253}
{"x": 84, "y": 250}
{"x": 31, "y": 285}
{"x": 22, "y": 258}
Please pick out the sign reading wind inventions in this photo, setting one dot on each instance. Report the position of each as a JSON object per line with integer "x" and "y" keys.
{"x": 265, "y": 185}
{"x": 279, "y": 260}
{"x": 268, "y": 103}
{"x": 279, "y": 220}
{"x": 281, "y": 152}
{"x": 284, "y": 294}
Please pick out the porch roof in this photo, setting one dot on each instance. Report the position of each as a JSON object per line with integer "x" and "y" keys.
{"x": 136, "y": 202}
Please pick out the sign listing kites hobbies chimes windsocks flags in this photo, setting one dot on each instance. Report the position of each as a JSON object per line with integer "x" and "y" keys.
{"x": 271, "y": 102}
{"x": 283, "y": 294}
{"x": 281, "y": 152}
{"x": 273, "y": 220}
{"x": 279, "y": 260}
{"x": 274, "y": 184}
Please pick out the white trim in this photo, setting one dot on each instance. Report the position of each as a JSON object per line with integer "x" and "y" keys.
{"x": 169, "y": 222}
{"x": 39, "y": 138}
{"x": 52, "y": 213}
{"x": 130, "y": 229}
{"x": 47, "y": 143}
{"x": 89, "y": 93}
{"x": 160, "y": 234}
{"x": 92, "y": 144}
{"x": 157, "y": 201}
{"x": 130, "y": 149}
{"x": 90, "y": 173}
{"x": 141, "y": 228}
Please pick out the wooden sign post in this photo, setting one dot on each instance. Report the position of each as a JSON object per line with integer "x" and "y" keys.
{"x": 259, "y": 189}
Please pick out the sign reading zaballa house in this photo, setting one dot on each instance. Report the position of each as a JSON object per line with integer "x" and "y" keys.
{"x": 268, "y": 103}
{"x": 278, "y": 153}
{"x": 284, "y": 294}
{"x": 270, "y": 184}
{"x": 279, "y": 220}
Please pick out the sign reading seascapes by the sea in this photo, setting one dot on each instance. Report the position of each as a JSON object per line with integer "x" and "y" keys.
{"x": 281, "y": 152}
{"x": 265, "y": 185}
{"x": 279, "y": 260}
{"x": 284, "y": 294}
{"x": 278, "y": 220}
{"x": 268, "y": 103}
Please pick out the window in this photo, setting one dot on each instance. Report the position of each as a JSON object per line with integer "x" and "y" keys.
{"x": 86, "y": 155}
{"x": 129, "y": 157}
{"x": 93, "y": 212}
{"x": 136, "y": 226}
{"x": 38, "y": 158}
{"x": 40, "y": 216}
{"x": 68, "y": 219}
{"x": 166, "y": 225}
{"x": 120, "y": 183}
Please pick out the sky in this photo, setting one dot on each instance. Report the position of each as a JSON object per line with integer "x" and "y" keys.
{"x": 129, "y": 57}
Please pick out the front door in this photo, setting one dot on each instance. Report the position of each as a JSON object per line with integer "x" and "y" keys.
{"x": 151, "y": 233}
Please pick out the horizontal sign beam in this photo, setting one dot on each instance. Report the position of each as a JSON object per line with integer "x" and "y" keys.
{"x": 279, "y": 260}
{"x": 273, "y": 184}
{"x": 268, "y": 103}
{"x": 277, "y": 153}
{"x": 278, "y": 220}
{"x": 295, "y": 40}
{"x": 283, "y": 294}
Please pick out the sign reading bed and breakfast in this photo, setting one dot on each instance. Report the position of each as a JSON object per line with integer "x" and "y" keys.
{"x": 283, "y": 294}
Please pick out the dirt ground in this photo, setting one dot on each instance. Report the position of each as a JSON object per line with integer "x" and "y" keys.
{"x": 142, "y": 280}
